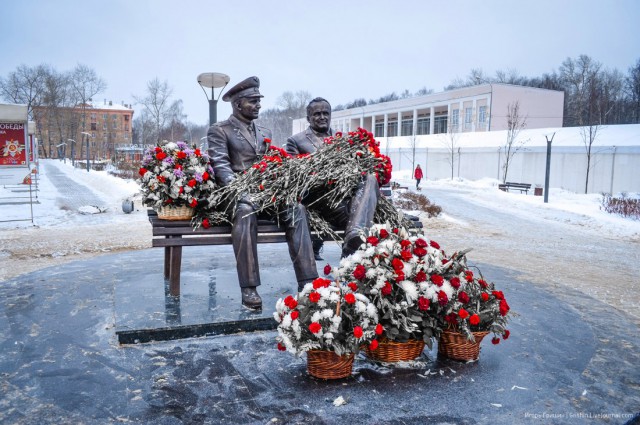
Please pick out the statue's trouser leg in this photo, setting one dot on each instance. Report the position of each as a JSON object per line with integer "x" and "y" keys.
{"x": 362, "y": 208}
{"x": 244, "y": 236}
{"x": 298, "y": 237}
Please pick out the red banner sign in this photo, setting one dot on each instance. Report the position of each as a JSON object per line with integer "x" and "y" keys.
{"x": 13, "y": 145}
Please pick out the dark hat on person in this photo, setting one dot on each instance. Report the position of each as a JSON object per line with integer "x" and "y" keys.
{"x": 245, "y": 88}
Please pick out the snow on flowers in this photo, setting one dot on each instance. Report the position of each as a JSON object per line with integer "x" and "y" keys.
{"x": 418, "y": 290}
{"x": 326, "y": 316}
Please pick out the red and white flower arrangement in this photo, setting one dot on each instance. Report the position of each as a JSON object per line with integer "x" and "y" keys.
{"x": 175, "y": 174}
{"x": 326, "y": 316}
{"x": 418, "y": 290}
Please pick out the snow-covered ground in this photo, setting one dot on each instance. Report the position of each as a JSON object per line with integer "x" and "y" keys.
{"x": 568, "y": 241}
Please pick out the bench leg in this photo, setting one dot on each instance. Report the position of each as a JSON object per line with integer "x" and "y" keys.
{"x": 175, "y": 261}
{"x": 167, "y": 262}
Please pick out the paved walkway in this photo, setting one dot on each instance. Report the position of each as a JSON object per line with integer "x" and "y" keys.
{"x": 72, "y": 194}
{"x": 569, "y": 361}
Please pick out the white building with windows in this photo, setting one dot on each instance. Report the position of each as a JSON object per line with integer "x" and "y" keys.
{"x": 468, "y": 109}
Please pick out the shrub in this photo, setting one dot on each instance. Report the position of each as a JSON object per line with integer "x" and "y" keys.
{"x": 624, "y": 206}
{"x": 417, "y": 202}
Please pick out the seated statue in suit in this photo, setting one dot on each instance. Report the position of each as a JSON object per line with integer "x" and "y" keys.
{"x": 354, "y": 213}
{"x": 234, "y": 145}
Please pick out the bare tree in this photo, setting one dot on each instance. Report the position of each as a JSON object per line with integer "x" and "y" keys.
{"x": 85, "y": 84}
{"x": 451, "y": 142}
{"x": 157, "y": 103}
{"x": 25, "y": 85}
{"x": 515, "y": 124}
{"x": 632, "y": 85}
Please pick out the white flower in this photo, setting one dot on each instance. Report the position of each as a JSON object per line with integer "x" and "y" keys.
{"x": 326, "y": 313}
{"x": 410, "y": 290}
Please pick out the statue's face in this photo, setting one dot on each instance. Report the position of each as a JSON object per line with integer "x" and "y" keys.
{"x": 249, "y": 107}
{"x": 319, "y": 117}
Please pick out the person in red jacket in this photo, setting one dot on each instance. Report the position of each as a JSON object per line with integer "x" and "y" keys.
{"x": 417, "y": 174}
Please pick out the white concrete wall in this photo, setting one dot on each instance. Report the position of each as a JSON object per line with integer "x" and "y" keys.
{"x": 609, "y": 173}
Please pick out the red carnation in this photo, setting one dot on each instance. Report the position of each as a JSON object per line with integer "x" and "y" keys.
{"x": 267, "y": 140}
{"x": 373, "y": 240}
{"x": 357, "y": 332}
{"x": 386, "y": 289}
{"x": 397, "y": 264}
{"x": 197, "y": 152}
{"x": 451, "y": 318}
{"x": 395, "y": 230}
{"x": 353, "y": 286}
{"x": 193, "y": 203}
{"x": 421, "y": 243}
{"x": 495, "y": 340}
{"x": 506, "y": 334}
{"x": 350, "y": 299}
{"x": 463, "y": 297}
{"x": 281, "y": 347}
{"x": 359, "y": 272}
{"x": 423, "y": 303}
{"x": 405, "y": 243}
{"x": 158, "y": 149}
{"x": 181, "y": 155}
{"x": 315, "y": 327}
{"x": 205, "y": 176}
{"x": 160, "y": 156}
{"x": 379, "y": 329}
{"x": 504, "y": 307}
{"x": 437, "y": 279}
{"x": 421, "y": 276}
{"x": 442, "y": 298}
{"x": 314, "y": 297}
{"x": 205, "y": 223}
{"x": 483, "y": 283}
{"x": 290, "y": 302}
{"x": 420, "y": 252}
{"x": 498, "y": 294}
{"x": 484, "y": 296}
{"x": 463, "y": 313}
{"x": 295, "y": 314}
{"x": 399, "y": 276}
{"x": 142, "y": 171}
{"x": 327, "y": 269}
{"x": 321, "y": 282}
{"x": 474, "y": 319}
{"x": 455, "y": 282}
{"x": 162, "y": 179}
{"x": 406, "y": 255}
{"x": 434, "y": 244}
{"x": 192, "y": 183}
{"x": 383, "y": 233}
{"x": 374, "y": 345}
{"x": 468, "y": 275}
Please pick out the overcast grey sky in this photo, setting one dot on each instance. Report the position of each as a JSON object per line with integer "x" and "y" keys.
{"x": 340, "y": 50}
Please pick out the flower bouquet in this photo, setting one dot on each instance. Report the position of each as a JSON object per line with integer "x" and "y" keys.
{"x": 326, "y": 177}
{"x": 175, "y": 175}
{"x": 399, "y": 273}
{"x": 474, "y": 310}
{"x": 329, "y": 322}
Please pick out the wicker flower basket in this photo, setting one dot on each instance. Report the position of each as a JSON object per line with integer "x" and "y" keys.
{"x": 175, "y": 213}
{"x": 392, "y": 351}
{"x": 328, "y": 365}
{"x": 455, "y": 345}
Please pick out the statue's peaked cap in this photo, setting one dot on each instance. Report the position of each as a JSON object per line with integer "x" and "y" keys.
{"x": 245, "y": 88}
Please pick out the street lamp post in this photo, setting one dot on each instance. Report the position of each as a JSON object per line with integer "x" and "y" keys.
{"x": 84, "y": 133}
{"x": 213, "y": 80}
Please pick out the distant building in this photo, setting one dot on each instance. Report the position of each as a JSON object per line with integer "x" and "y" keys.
{"x": 107, "y": 127}
{"x": 468, "y": 109}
